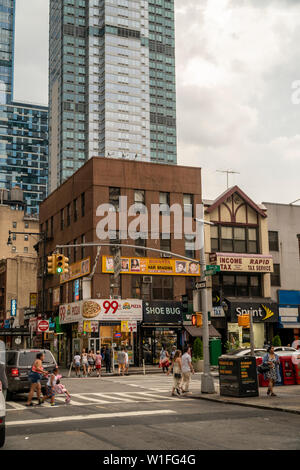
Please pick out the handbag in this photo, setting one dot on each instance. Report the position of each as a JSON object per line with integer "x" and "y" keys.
{"x": 263, "y": 368}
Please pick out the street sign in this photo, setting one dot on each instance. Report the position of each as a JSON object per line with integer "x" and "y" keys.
{"x": 212, "y": 269}
{"x": 43, "y": 326}
{"x": 13, "y": 308}
{"x": 200, "y": 285}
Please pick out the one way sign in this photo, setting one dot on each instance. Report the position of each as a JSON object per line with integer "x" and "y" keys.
{"x": 200, "y": 285}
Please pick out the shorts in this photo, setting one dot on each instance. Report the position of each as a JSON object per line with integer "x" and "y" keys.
{"x": 98, "y": 366}
{"x": 50, "y": 391}
{"x": 77, "y": 364}
{"x": 34, "y": 377}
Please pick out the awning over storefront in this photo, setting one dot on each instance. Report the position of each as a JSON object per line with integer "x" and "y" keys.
{"x": 196, "y": 331}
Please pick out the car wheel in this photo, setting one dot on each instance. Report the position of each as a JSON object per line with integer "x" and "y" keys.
{"x": 2, "y": 435}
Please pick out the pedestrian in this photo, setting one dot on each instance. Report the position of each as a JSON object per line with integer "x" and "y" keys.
{"x": 98, "y": 362}
{"x": 50, "y": 387}
{"x": 164, "y": 359}
{"x": 3, "y": 379}
{"x": 126, "y": 362}
{"x": 273, "y": 375}
{"x": 77, "y": 359}
{"x": 187, "y": 369}
{"x": 84, "y": 361}
{"x": 61, "y": 389}
{"x": 91, "y": 361}
{"x": 121, "y": 361}
{"x": 173, "y": 352}
{"x": 34, "y": 378}
{"x": 176, "y": 367}
{"x": 107, "y": 355}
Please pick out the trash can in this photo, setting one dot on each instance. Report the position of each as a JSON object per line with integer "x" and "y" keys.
{"x": 238, "y": 376}
{"x": 297, "y": 372}
{"x": 215, "y": 351}
{"x": 287, "y": 370}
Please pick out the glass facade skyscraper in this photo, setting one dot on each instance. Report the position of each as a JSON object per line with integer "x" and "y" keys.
{"x": 23, "y": 126}
{"x": 111, "y": 83}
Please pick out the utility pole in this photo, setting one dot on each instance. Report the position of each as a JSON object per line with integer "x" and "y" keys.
{"x": 228, "y": 172}
{"x": 207, "y": 381}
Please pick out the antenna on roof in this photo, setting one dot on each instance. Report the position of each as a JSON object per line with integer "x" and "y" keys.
{"x": 228, "y": 172}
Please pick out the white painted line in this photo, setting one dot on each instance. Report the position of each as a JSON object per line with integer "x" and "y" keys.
{"x": 120, "y": 396}
{"x": 60, "y": 419}
{"x": 16, "y": 406}
{"x": 149, "y": 394}
{"x": 88, "y": 398}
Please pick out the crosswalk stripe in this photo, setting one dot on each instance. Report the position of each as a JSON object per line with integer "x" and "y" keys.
{"x": 96, "y": 400}
{"x": 120, "y": 396}
{"x": 58, "y": 419}
{"x": 15, "y": 406}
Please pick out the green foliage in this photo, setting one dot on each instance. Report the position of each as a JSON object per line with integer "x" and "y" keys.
{"x": 197, "y": 349}
{"x": 231, "y": 347}
{"x": 276, "y": 341}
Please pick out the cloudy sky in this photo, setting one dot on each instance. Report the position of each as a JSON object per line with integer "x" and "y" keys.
{"x": 237, "y": 61}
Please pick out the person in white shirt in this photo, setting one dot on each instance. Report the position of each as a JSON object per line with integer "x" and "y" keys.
{"x": 126, "y": 362}
{"x": 77, "y": 359}
{"x": 187, "y": 369}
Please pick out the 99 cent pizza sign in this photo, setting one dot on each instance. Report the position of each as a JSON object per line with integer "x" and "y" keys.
{"x": 101, "y": 310}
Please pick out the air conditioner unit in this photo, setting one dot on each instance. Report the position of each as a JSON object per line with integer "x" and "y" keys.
{"x": 147, "y": 279}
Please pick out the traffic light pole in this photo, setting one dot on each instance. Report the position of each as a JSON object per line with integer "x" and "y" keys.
{"x": 207, "y": 381}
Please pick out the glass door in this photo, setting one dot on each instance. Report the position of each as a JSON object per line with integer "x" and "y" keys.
{"x": 94, "y": 344}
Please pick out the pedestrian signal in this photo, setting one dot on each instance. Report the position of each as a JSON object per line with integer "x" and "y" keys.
{"x": 194, "y": 320}
{"x": 199, "y": 319}
{"x": 244, "y": 320}
{"x": 51, "y": 264}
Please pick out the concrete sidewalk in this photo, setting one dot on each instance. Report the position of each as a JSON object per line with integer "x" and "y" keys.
{"x": 287, "y": 399}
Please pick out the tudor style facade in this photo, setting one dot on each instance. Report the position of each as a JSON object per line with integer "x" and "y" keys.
{"x": 238, "y": 243}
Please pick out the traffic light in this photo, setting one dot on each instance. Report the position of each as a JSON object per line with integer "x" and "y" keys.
{"x": 59, "y": 264}
{"x": 197, "y": 319}
{"x": 66, "y": 265}
{"x": 244, "y": 320}
{"x": 51, "y": 264}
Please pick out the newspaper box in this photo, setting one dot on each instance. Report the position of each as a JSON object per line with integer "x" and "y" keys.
{"x": 238, "y": 376}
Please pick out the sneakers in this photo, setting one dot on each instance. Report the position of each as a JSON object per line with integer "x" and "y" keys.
{"x": 52, "y": 404}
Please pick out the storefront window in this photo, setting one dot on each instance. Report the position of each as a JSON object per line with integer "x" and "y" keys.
{"x": 237, "y": 285}
{"x": 113, "y": 337}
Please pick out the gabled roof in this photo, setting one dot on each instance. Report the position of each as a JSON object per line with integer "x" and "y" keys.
{"x": 229, "y": 192}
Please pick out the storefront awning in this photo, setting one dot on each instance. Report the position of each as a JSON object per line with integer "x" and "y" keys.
{"x": 196, "y": 331}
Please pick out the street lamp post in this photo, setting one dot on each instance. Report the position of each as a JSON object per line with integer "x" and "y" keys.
{"x": 207, "y": 381}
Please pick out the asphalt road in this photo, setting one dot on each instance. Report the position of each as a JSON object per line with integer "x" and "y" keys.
{"x": 138, "y": 412}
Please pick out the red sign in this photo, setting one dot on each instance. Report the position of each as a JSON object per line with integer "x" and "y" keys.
{"x": 43, "y": 326}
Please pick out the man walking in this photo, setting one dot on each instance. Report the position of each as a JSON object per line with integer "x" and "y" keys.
{"x": 187, "y": 369}
{"x": 121, "y": 361}
{"x": 107, "y": 355}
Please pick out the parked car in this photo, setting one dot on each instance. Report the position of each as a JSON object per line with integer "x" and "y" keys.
{"x": 18, "y": 366}
{"x": 2, "y": 413}
{"x": 247, "y": 352}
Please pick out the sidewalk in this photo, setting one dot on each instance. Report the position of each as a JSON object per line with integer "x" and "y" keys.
{"x": 288, "y": 399}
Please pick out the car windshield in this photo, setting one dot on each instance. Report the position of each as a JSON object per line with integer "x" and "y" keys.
{"x": 27, "y": 358}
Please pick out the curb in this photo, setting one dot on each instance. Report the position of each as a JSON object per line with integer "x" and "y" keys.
{"x": 249, "y": 405}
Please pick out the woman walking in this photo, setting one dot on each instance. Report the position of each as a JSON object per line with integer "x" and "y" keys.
{"x": 91, "y": 361}
{"x": 176, "y": 366}
{"x": 84, "y": 361}
{"x": 98, "y": 362}
{"x": 34, "y": 378}
{"x": 273, "y": 375}
{"x": 164, "y": 359}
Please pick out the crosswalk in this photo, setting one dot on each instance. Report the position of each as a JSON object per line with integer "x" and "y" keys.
{"x": 89, "y": 399}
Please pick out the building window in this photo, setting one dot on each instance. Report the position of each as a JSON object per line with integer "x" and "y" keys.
{"x": 26, "y": 225}
{"x": 82, "y": 248}
{"x": 165, "y": 243}
{"x": 234, "y": 239}
{"x": 14, "y": 237}
{"x": 75, "y": 251}
{"x": 237, "y": 285}
{"x": 114, "y": 195}
{"x": 141, "y": 241}
{"x": 82, "y": 204}
{"x": 189, "y": 286}
{"x": 136, "y": 286}
{"x": 114, "y": 237}
{"x": 275, "y": 276}
{"x": 14, "y": 224}
{"x": 68, "y": 214}
{"x": 26, "y": 238}
{"x": 273, "y": 241}
{"x": 25, "y": 249}
{"x": 62, "y": 219}
{"x": 162, "y": 288}
{"x": 51, "y": 227}
{"x": 188, "y": 205}
{"x": 139, "y": 200}
{"x": 189, "y": 245}
{"x": 13, "y": 248}
{"x": 164, "y": 202}
{"x": 75, "y": 214}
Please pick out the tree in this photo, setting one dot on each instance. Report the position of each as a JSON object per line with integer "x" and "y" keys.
{"x": 276, "y": 341}
{"x": 197, "y": 349}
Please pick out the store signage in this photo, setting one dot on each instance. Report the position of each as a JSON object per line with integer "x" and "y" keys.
{"x": 33, "y": 300}
{"x": 264, "y": 312}
{"x": 79, "y": 269}
{"x": 129, "y": 326}
{"x": 150, "y": 266}
{"x": 101, "y": 310}
{"x": 6, "y": 324}
{"x": 217, "y": 312}
{"x": 162, "y": 312}
{"x": 33, "y": 324}
{"x": 42, "y": 326}
{"x": 242, "y": 262}
{"x": 13, "y": 308}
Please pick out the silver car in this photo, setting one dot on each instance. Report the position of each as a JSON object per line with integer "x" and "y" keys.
{"x": 258, "y": 352}
{"x": 3, "y": 385}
